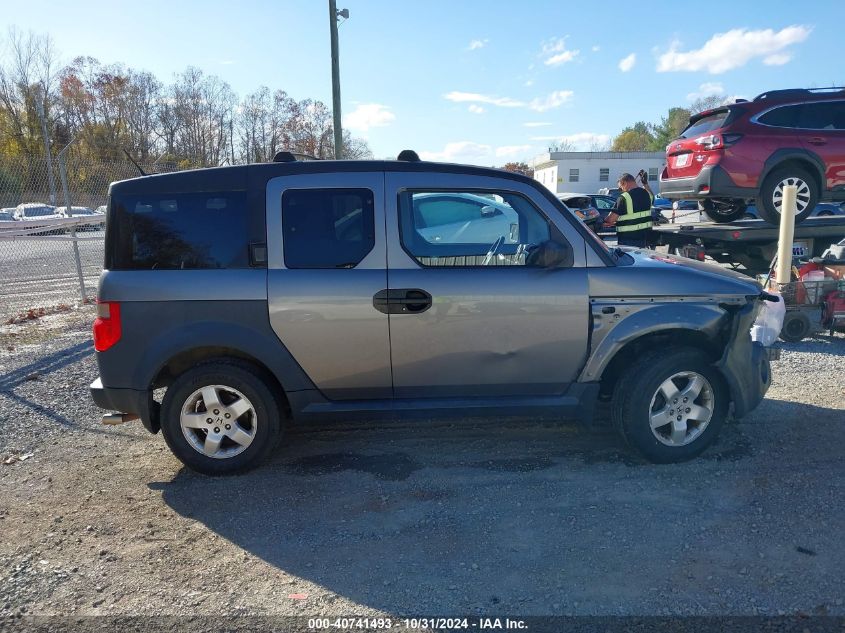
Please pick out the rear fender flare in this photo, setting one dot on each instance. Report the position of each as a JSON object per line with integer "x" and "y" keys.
{"x": 785, "y": 154}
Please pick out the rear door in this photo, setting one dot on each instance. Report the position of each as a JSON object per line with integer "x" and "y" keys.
{"x": 821, "y": 128}
{"x": 326, "y": 261}
{"x": 470, "y": 316}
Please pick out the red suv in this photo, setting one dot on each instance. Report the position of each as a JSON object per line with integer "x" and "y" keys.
{"x": 749, "y": 150}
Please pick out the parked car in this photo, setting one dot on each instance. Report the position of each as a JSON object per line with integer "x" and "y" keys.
{"x": 334, "y": 299}
{"x": 750, "y": 150}
{"x": 613, "y": 192}
{"x": 101, "y": 209}
{"x": 822, "y": 210}
{"x": 7, "y": 214}
{"x": 97, "y": 219}
{"x": 584, "y": 207}
{"x": 35, "y": 211}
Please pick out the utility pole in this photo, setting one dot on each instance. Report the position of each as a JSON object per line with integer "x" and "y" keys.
{"x": 334, "y": 15}
{"x": 39, "y": 106}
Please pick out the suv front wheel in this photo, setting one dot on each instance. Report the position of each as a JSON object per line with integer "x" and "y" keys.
{"x": 220, "y": 418}
{"x": 670, "y": 404}
{"x": 771, "y": 193}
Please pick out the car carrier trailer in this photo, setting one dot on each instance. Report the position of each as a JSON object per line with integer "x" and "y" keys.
{"x": 751, "y": 244}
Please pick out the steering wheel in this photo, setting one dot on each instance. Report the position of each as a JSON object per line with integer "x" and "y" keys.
{"x": 489, "y": 257}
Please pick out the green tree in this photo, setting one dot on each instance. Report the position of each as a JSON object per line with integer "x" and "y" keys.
{"x": 669, "y": 128}
{"x": 636, "y": 138}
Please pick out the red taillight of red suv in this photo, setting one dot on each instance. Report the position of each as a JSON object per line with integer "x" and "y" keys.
{"x": 106, "y": 325}
{"x": 717, "y": 141}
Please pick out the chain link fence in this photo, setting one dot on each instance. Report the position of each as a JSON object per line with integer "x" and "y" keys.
{"x": 52, "y": 226}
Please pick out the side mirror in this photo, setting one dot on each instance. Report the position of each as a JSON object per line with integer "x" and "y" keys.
{"x": 550, "y": 254}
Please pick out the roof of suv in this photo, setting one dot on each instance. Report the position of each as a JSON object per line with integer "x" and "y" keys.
{"x": 239, "y": 177}
{"x": 802, "y": 94}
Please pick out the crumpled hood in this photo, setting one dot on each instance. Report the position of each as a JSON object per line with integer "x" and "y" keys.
{"x": 654, "y": 274}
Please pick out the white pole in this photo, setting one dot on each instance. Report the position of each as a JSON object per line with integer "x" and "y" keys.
{"x": 787, "y": 232}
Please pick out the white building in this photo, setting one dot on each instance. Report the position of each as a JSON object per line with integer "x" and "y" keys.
{"x": 587, "y": 172}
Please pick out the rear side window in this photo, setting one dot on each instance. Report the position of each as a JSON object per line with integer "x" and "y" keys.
{"x": 178, "y": 231}
{"x": 710, "y": 123}
{"x": 829, "y": 115}
{"x": 327, "y": 228}
{"x": 786, "y": 116}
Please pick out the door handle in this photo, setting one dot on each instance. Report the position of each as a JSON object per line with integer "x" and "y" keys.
{"x": 402, "y": 301}
{"x": 817, "y": 140}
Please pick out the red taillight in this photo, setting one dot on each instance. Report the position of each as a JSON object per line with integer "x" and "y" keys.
{"x": 106, "y": 325}
{"x": 711, "y": 141}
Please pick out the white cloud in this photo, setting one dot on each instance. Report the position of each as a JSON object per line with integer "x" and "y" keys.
{"x": 368, "y": 115}
{"x": 461, "y": 151}
{"x": 735, "y": 48}
{"x": 474, "y": 97}
{"x": 478, "y": 153}
{"x": 512, "y": 150}
{"x": 539, "y": 104}
{"x": 580, "y": 141}
{"x": 536, "y": 124}
{"x": 627, "y": 63}
{"x": 474, "y": 45}
{"x": 528, "y": 83}
{"x": 778, "y": 59}
{"x": 596, "y": 49}
{"x": 554, "y": 100}
{"x": 707, "y": 89}
{"x": 555, "y": 52}
{"x": 475, "y": 109}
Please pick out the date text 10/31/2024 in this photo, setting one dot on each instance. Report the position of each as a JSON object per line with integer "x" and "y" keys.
{"x": 360, "y": 623}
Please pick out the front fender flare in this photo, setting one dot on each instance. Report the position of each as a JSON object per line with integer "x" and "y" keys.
{"x": 631, "y": 320}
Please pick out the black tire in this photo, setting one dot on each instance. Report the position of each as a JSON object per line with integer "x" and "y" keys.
{"x": 727, "y": 215}
{"x": 638, "y": 386}
{"x": 765, "y": 201}
{"x": 796, "y": 326}
{"x": 238, "y": 376}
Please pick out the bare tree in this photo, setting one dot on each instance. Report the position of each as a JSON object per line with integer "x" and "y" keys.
{"x": 563, "y": 145}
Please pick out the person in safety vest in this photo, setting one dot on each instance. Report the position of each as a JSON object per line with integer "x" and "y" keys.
{"x": 632, "y": 215}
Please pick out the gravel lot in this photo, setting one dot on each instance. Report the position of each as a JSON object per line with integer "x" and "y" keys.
{"x": 476, "y": 517}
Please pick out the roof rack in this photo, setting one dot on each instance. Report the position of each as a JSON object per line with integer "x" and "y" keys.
{"x": 291, "y": 157}
{"x": 790, "y": 93}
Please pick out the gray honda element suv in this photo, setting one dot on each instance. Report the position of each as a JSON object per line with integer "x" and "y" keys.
{"x": 265, "y": 294}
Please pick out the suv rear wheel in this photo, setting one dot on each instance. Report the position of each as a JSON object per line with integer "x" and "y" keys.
{"x": 670, "y": 404}
{"x": 771, "y": 193}
{"x": 220, "y": 418}
{"x": 723, "y": 212}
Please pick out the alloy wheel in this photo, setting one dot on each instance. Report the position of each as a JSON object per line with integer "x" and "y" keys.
{"x": 218, "y": 421}
{"x": 802, "y": 197}
{"x": 681, "y": 408}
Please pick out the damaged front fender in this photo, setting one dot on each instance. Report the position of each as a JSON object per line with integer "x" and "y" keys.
{"x": 618, "y": 322}
{"x": 745, "y": 363}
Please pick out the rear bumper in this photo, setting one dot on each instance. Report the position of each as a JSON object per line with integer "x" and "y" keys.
{"x": 714, "y": 178}
{"x": 745, "y": 364}
{"x": 140, "y": 403}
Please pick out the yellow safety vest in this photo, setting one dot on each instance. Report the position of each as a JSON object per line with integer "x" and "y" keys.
{"x": 633, "y": 220}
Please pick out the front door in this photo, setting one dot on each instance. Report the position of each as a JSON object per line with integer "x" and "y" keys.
{"x": 470, "y": 314}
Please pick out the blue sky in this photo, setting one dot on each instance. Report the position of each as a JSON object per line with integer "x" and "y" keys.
{"x": 483, "y": 82}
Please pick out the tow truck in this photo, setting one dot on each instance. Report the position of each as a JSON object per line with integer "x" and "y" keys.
{"x": 751, "y": 244}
